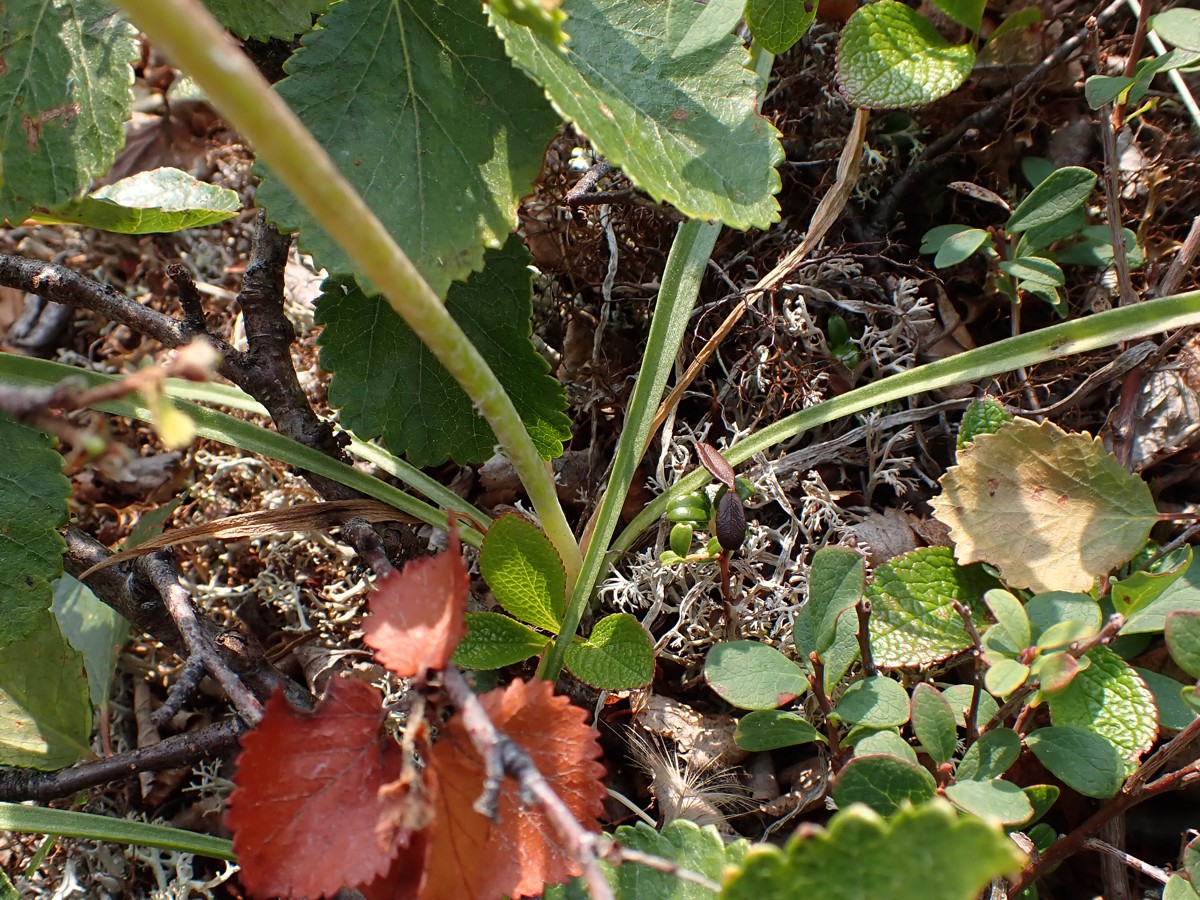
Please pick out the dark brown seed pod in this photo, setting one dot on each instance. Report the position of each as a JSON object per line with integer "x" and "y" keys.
{"x": 731, "y": 521}
{"x": 716, "y": 464}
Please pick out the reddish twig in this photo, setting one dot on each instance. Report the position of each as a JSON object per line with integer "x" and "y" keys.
{"x": 863, "y": 610}
{"x": 816, "y": 682}
{"x": 977, "y": 678}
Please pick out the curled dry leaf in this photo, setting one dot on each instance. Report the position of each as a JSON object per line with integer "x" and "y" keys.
{"x": 473, "y": 858}
{"x": 309, "y": 813}
{"x": 418, "y": 613}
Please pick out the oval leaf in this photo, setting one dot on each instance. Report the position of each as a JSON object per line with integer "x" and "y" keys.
{"x": 883, "y": 783}
{"x": 1082, "y": 759}
{"x": 998, "y": 801}
{"x": 778, "y": 24}
{"x": 617, "y": 656}
{"x": 493, "y": 641}
{"x": 1183, "y": 640}
{"x": 990, "y": 756}
{"x": 1062, "y": 193}
{"x": 835, "y": 583}
{"x": 751, "y": 675}
{"x": 876, "y": 701}
{"x": 769, "y": 729}
{"x": 1009, "y": 612}
{"x": 716, "y": 464}
{"x": 933, "y": 722}
{"x": 524, "y": 571}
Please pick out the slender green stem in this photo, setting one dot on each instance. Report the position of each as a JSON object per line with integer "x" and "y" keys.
{"x": 191, "y": 37}
{"x": 1079, "y": 336}
{"x": 680, "y": 285}
{"x": 38, "y": 820}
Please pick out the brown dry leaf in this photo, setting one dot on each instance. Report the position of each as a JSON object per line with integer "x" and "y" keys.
{"x": 418, "y": 613}
{"x": 473, "y": 858}
{"x": 1051, "y": 510}
{"x": 309, "y": 814}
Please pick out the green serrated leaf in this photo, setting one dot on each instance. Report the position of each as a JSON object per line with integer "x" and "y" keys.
{"x": 1179, "y": 26}
{"x": 65, "y": 92}
{"x": 842, "y": 652}
{"x": 524, "y": 571}
{"x": 958, "y": 247}
{"x": 266, "y": 19}
{"x": 990, "y": 756}
{"x": 33, "y": 506}
{"x": 884, "y": 783}
{"x": 913, "y": 622}
{"x": 928, "y": 852}
{"x": 691, "y": 34}
{"x": 424, "y": 114}
{"x": 493, "y": 641}
{"x": 94, "y": 629}
{"x": 1080, "y": 758}
{"x": 1034, "y": 271}
{"x": 1010, "y": 615}
{"x": 386, "y": 383}
{"x": 968, "y": 13}
{"x": 1065, "y": 191}
{"x": 1050, "y": 510}
{"x": 985, "y": 416}
{"x": 778, "y": 24}
{"x": 161, "y": 200}
{"x": 617, "y": 656}
{"x": 1182, "y": 632}
{"x": 1173, "y": 713}
{"x": 45, "y": 716}
{"x": 933, "y": 722}
{"x": 880, "y": 741}
{"x": 1055, "y": 607}
{"x": 750, "y": 675}
{"x": 959, "y": 697}
{"x": 997, "y": 801}
{"x": 836, "y": 580}
{"x": 545, "y": 19}
{"x": 685, "y": 130}
{"x": 890, "y": 56}
{"x": 876, "y": 701}
{"x": 1005, "y": 676}
{"x": 770, "y": 729}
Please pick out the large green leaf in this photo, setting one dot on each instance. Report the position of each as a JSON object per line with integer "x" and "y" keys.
{"x": 524, "y": 571}
{"x": 33, "y": 505}
{"x": 617, "y": 656}
{"x": 494, "y": 640}
{"x": 45, "y": 715}
{"x": 891, "y": 56}
{"x": 913, "y": 622}
{"x": 65, "y": 91}
{"x": 151, "y": 202}
{"x": 425, "y": 115}
{"x": 885, "y": 783}
{"x": 684, "y": 129}
{"x": 999, "y": 801}
{"x": 751, "y": 675}
{"x": 266, "y": 19}
{"x": 929, "y": 852}
{"x": 386, "y": 383}
{"x": 876, "y": 701}
{"x": 1083, "y": 759}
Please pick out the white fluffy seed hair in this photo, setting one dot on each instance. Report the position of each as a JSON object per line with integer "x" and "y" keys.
{"x": 702, "y": 793}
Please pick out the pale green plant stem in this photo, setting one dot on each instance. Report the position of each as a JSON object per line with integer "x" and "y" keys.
{"x": 39, "y": 820}
{"x": 188, "y": 34}
{"x": 1079, "y": 336}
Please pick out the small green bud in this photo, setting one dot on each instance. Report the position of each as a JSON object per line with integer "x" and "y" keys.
{"x": 681, "y": 538}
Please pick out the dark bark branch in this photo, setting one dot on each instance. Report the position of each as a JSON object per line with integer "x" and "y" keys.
{"x": 174, "y": 752}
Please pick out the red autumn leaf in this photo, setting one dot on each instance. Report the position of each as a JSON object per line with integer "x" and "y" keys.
{"x": 473, "y": 858}
{"x": 418, "y": 614}
{"x": 716, "y": 464}
{"x": 307, "y": 814}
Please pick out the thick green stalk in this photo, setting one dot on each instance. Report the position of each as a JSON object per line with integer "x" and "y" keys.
{"x": 193, "y": 40}
{"x": 1078, "y": 336}
{"x": 680, "y": 285}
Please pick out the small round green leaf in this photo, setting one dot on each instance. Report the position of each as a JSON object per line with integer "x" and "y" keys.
{"x": 959, "y": 247}
{"x": 1064, "y": 634}
{"x": 1009, "y": 612}
{"x": 1042, "y": 797}
{"x": 876, "y": 701}
{"x": 880, "y": 741}
{"x": 1064, "y": 191}
{"x": 751, "y": 675}
{"x": 990, "y": 756}
{"x": 1179, "y": 26}
{"x": 1109, "y": 698}
{"x": 890, "y": 56}
{"x": 1054, "y": 671}
{"x": 769, "y": 729}
{"x": 493, "y": 641}
{"x": 1183, "y": 640}
{"x": 617, "y": 656}
{"x": 933, "y": 722}
{"x": 1034, "y": 270}
{"x": 524, "y": 571}
{"x": 883, "y": 783}
{"x": 1005, "y": 676}
{"x": 1082, "y": 759}
{"x": 778, "y": 24}
{"x": 998, "y": 801}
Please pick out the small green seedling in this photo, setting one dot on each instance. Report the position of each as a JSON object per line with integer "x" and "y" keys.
{"x": 723, "y": 515}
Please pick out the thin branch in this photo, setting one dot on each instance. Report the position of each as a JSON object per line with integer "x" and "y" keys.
{"x": 1112, "y": 178}
{"x": 174, "y": 752}
{"x": 964, "y": 613}
{"x": 1181, "y": 265}
{"x": 863, "y": 610}
{"x": 1159, "y": 875}
{"x": 816, "y": 682}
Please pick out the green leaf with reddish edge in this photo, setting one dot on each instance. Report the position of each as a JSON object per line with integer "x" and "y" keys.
{"x": 880, "y": 741}
{"x": 986, "y": 416}
{"x": 750, "y": 675}
{"x": 617, "y": 656}
{"x": 959, "y": 696}
{"x": 1133, "y": 594}
{"x": 1055, "y": 607}
{"x": 836, "y": 580}
{"x": 913, "y": 622}
{"x": 968, "y": 13}
{"x": 1183, "y": 640}
{"x": 1173, "y": 713}
{"x": 884, "y": 783}
{"x": 770, "y": 729}
{"x": 1010, "y": 614}
{"x": 778, "y": 24}
{"x": 33, "y": 506}
{"x": 990, "y": 756}
{"x": 842, "y": 653}
{"x": 266, "y": 19}
{"x": 1005, "y": 676}
{"x": 890, "y": 56}
{"x": 1054, "y": 671}
{"x": 523, "y": 569}
{"x": 685, "y": 130}
{"x": 65, "y": 92}
{"x": 1062, "y": 193}
{"x": 153, "y": 202}
{"x": 997, "y": 801}
{"x": 1080, "y": 758}
{"x": 493, "y": 641}
{"x": 876, "y": 701}
{"x": 429, "y": 121}
{"x": 386, "y": 383}
{"x": 933, "y": 722}
{"x": 45, "y": 714}
{"x": 929, "y": 852}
